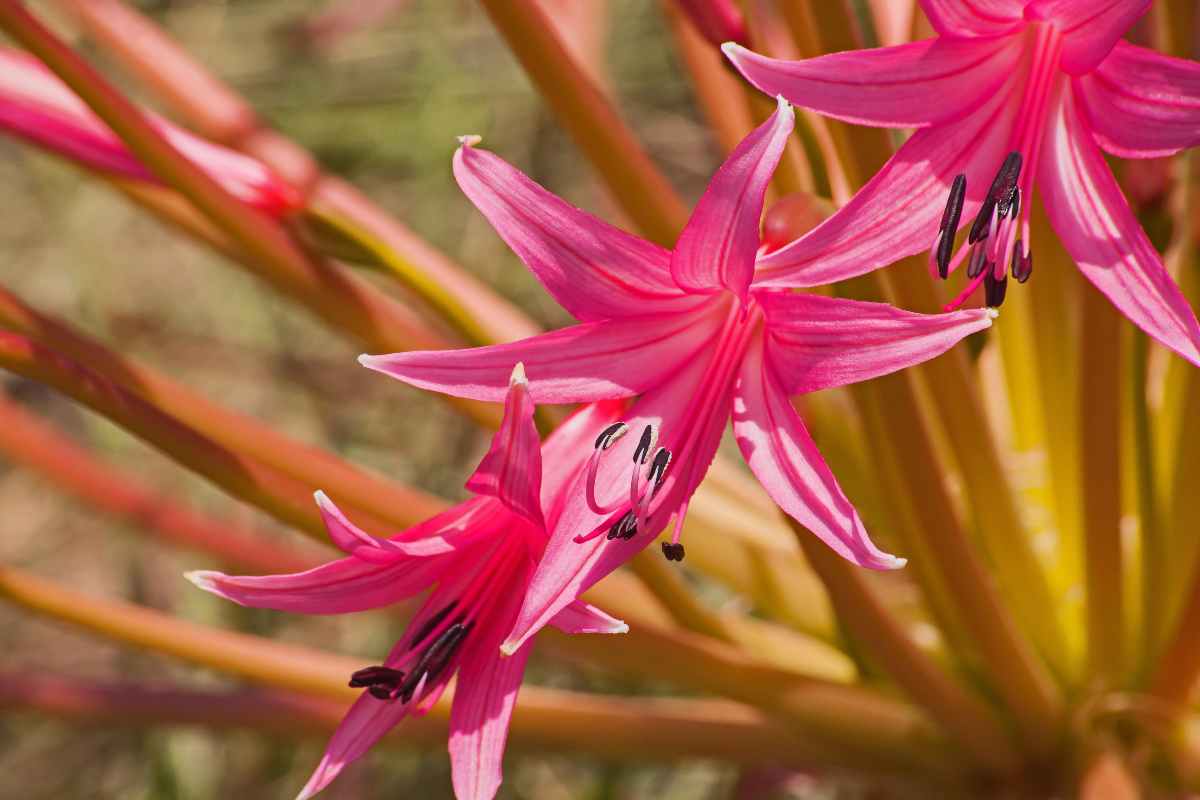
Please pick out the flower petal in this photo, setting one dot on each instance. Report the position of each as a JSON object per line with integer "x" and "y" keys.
{"x": 973, "y": 17}
{"x": 909, "y": 85}
{"x": 339, "y": 587}
{"x": 1090, "y": 29}
{"x": 512, "y": 468}
{"x": 1142, "y": 104}
{"x": 782, "y": 455}
{"x": 1096, "y": 225}
{"x": 594, "y": 270}
{"x": 484, "y": 699}
{"x": 717, "y": 247}
{"x": 444, "y": 533}
{"x": 897, "y": 213}
{"x": 568, "y": 568}
{"x": 581, "y": 617}
{"x": 585, "y": 362}
{"x": 367, "y": 721}
{"x": 818, "y": 342}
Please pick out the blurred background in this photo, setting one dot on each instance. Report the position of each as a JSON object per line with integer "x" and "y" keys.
{"x": 381, "y": 106}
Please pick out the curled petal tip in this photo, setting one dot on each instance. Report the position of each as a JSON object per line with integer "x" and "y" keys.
{"x": 993, "y": 313}
{"x": 782, "y": 106}
{"x": 888, "y": 561}
{"x": 509, "y": 647}
{"x": 369, "y": 361}
{"x": 730, "y": 49}
{"x": 320, "y": 497}
{"x": 622, "y": 628}
{"x": 203, "y": 578}
{"x": 470, "y": 140}
{"x": 518, "y": 376}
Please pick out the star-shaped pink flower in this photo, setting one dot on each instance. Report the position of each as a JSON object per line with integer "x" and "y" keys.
{"x": 478, "y": 558}
{"x": 1009, "y": 95}
{"x": 699, "y": 340}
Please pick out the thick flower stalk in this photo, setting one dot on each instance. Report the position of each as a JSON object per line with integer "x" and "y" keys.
{"x": 1010, "y": 94}
{"x": 36, "y": 106}
{"x": 699, "y": 340}
{"x": 478, "y": 559}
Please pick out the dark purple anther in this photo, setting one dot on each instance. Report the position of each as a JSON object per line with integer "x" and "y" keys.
{"x": 1022, "y": 263}
{"x": 978, "y": 261}
{"x": 1000, "y": 192}
{"x": 950, "y": 219}
{"x": 993, "y": 289}
{"x": 673, "y": 552}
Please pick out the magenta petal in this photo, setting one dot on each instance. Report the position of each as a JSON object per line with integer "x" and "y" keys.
{"x": 512, "y": 468}
{"x": 717, "y": 247}
{"x": 586, "y": 362}
{"x": 909, "y": 85}
{"x": 1142, "y": 104}
{"x": 817, "y": 342}
{"x": 594, "y": 270}
{"x": 1097, "y": 227}
{"x": 973, "y": 17}
{"x": 581, "y": 617}
{"x": 339, "y": 587}
{"x": 367, "y": 721}
{"x": 484, "y": 698}
{"x": 782, "y": 455}
{"x": 1090, "y": 28}
{"x": 897, "y": 213}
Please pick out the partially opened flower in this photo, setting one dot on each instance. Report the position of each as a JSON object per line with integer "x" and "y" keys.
{"x": 1011, "y": 93}
{"x": 699, "y": 340}
{"x": 40, "y": 108}
{"x": 478, "y": 558}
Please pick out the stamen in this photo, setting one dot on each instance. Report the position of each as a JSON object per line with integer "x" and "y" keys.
{"x": 431, "y": 623}
{"x": 944, "y": 248}
{"x": 624, "y": 528}
{"x": 673, "y": 551}
{"x": 645, "y": 444}
{"x": 999, "y": 192}
{"x": 658, "y": 469}
{"x": 609, "y": 436}
{"x": 978, "y": 260}
{"x": 994, "y": 289}
{"x": 434, "y": 660}
{"x": 1022, "y": 263}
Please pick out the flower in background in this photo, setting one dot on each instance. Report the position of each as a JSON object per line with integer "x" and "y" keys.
{"x": 478, "y": 557}
{"x": 692, "y": 333}
{"x": 36, "y": 106}
{"x": 1010, "y": 93}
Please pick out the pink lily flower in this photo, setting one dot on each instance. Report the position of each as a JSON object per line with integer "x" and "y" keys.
{"x": 36, "y": 106}
{"x": 692, "y": 333}
{"x": 1008, "y": 94}
{"x": 478, "y": 558}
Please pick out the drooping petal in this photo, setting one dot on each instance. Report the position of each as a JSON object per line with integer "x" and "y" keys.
{"x": 339, "y": 587}
{"x": 1142, "y": 104}
{"x": 594, "y": 270}
{"x": 484, "y": 698}
{"x": 909, "y": 85}
{"x": 367, "y": 721}
{"x": 512, "y": 468}
{"x": 782, "y": 455}
{"x": 581, "y": 617}
{"x": 973, "y": 17}
{"x": 717, "y": 247}
{"x": 818, "y": 342}
{"x": 1098, "y": 229}
{"x": 1090, "y": 28}
{"x": 483, "y": 705}
{"x": 897, "y": 213}
{"x": 579, "y": 364}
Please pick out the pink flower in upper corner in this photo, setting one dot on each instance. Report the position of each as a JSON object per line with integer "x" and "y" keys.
{"x": 694, "y": 334}
{"x": 478, "y": 557}
{"x": 1009, "y": 93}
{"x": 36, "y": 106}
